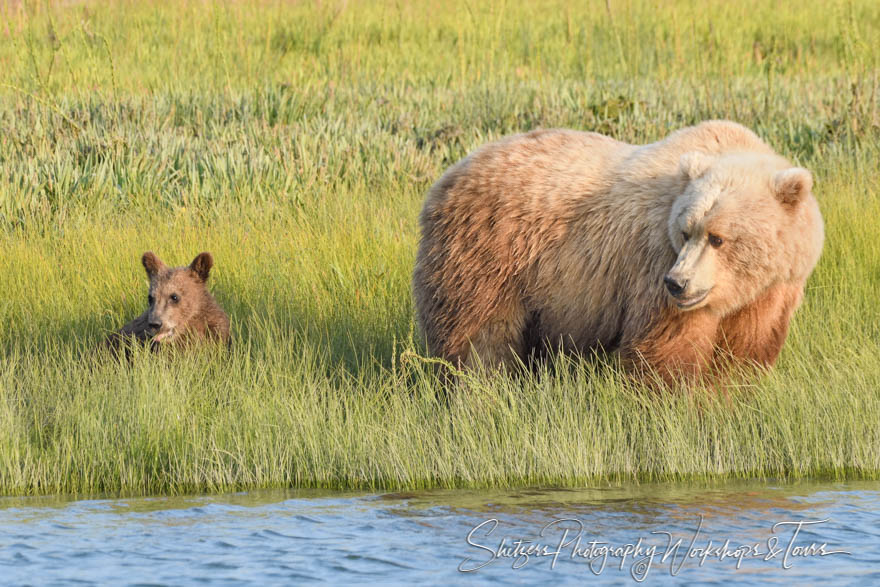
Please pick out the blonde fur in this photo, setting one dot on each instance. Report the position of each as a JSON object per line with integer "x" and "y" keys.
{"x": 563, "y": 239}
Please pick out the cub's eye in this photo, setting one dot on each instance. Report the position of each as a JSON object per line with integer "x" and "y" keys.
{"x": 715, "y": 241}
{"x": 685, "y": 236}
{"x": 150, "y": 300}
{"x": 175, "y": 298}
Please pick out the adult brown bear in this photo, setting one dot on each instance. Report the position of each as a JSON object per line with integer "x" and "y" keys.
{"x": 673, "y": 254}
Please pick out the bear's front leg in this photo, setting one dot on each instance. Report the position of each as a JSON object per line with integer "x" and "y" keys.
{"x": 680, "y": 346}
{"x": 757, "y": 331}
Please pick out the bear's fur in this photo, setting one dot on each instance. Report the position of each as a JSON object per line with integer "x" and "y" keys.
{"x": 180, "y": 309}
{"x": 575, "y": 240}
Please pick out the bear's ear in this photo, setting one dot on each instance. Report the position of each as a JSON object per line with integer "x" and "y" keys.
{"x": 791, "y": 185}
{"x": 695, "y": 163}
{"x": 152, "y": 263}
{"x": 202, "y": 264}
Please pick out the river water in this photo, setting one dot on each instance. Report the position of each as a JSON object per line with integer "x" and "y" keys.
{"x": 605, "y": 535}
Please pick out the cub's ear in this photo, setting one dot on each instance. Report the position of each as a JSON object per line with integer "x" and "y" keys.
{"x": 152, "y": 263}
{"x": 202, "y": 265}
{"x": 693, "y": 164}
{"x": 791, "y": 185}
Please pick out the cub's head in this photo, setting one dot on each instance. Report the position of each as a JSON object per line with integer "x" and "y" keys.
{"x": 177, "y": 295}
{"x": 744, "y": 222}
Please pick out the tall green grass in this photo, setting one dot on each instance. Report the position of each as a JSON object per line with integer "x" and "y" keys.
{"x": 296, "y": 141}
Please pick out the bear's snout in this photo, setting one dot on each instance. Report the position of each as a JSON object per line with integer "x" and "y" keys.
{"x": 675, "y": 286}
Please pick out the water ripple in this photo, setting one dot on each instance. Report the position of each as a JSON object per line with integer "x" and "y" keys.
{"x": 299, "y": 536}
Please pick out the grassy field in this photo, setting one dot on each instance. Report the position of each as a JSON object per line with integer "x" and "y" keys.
{"x": 296, "y": 141}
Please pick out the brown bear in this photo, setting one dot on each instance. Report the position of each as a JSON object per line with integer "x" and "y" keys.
{"x": 674, "y": 254}
{"x": 181, "y": 309}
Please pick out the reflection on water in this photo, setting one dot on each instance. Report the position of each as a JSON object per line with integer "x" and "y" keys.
{"x": 295, "y": 536}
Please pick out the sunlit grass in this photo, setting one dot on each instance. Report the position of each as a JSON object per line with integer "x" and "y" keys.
{"x": 295, "y": 141}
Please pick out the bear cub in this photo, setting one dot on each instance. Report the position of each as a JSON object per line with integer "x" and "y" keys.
{"x": 180, "y": 309}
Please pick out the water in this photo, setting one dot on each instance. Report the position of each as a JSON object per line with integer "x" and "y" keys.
{"x": 290, "y": 537}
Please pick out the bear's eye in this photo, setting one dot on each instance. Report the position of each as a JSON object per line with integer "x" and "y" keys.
{"x": 175, "y": 298}
{"x": 150, "y": 299}
{"x": 715, "y": 240}
{"x": 685, "y": 236}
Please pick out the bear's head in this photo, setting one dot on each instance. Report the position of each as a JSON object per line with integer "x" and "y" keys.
{"x": 744, "y": 222}
{"x": 176, "y": 296}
